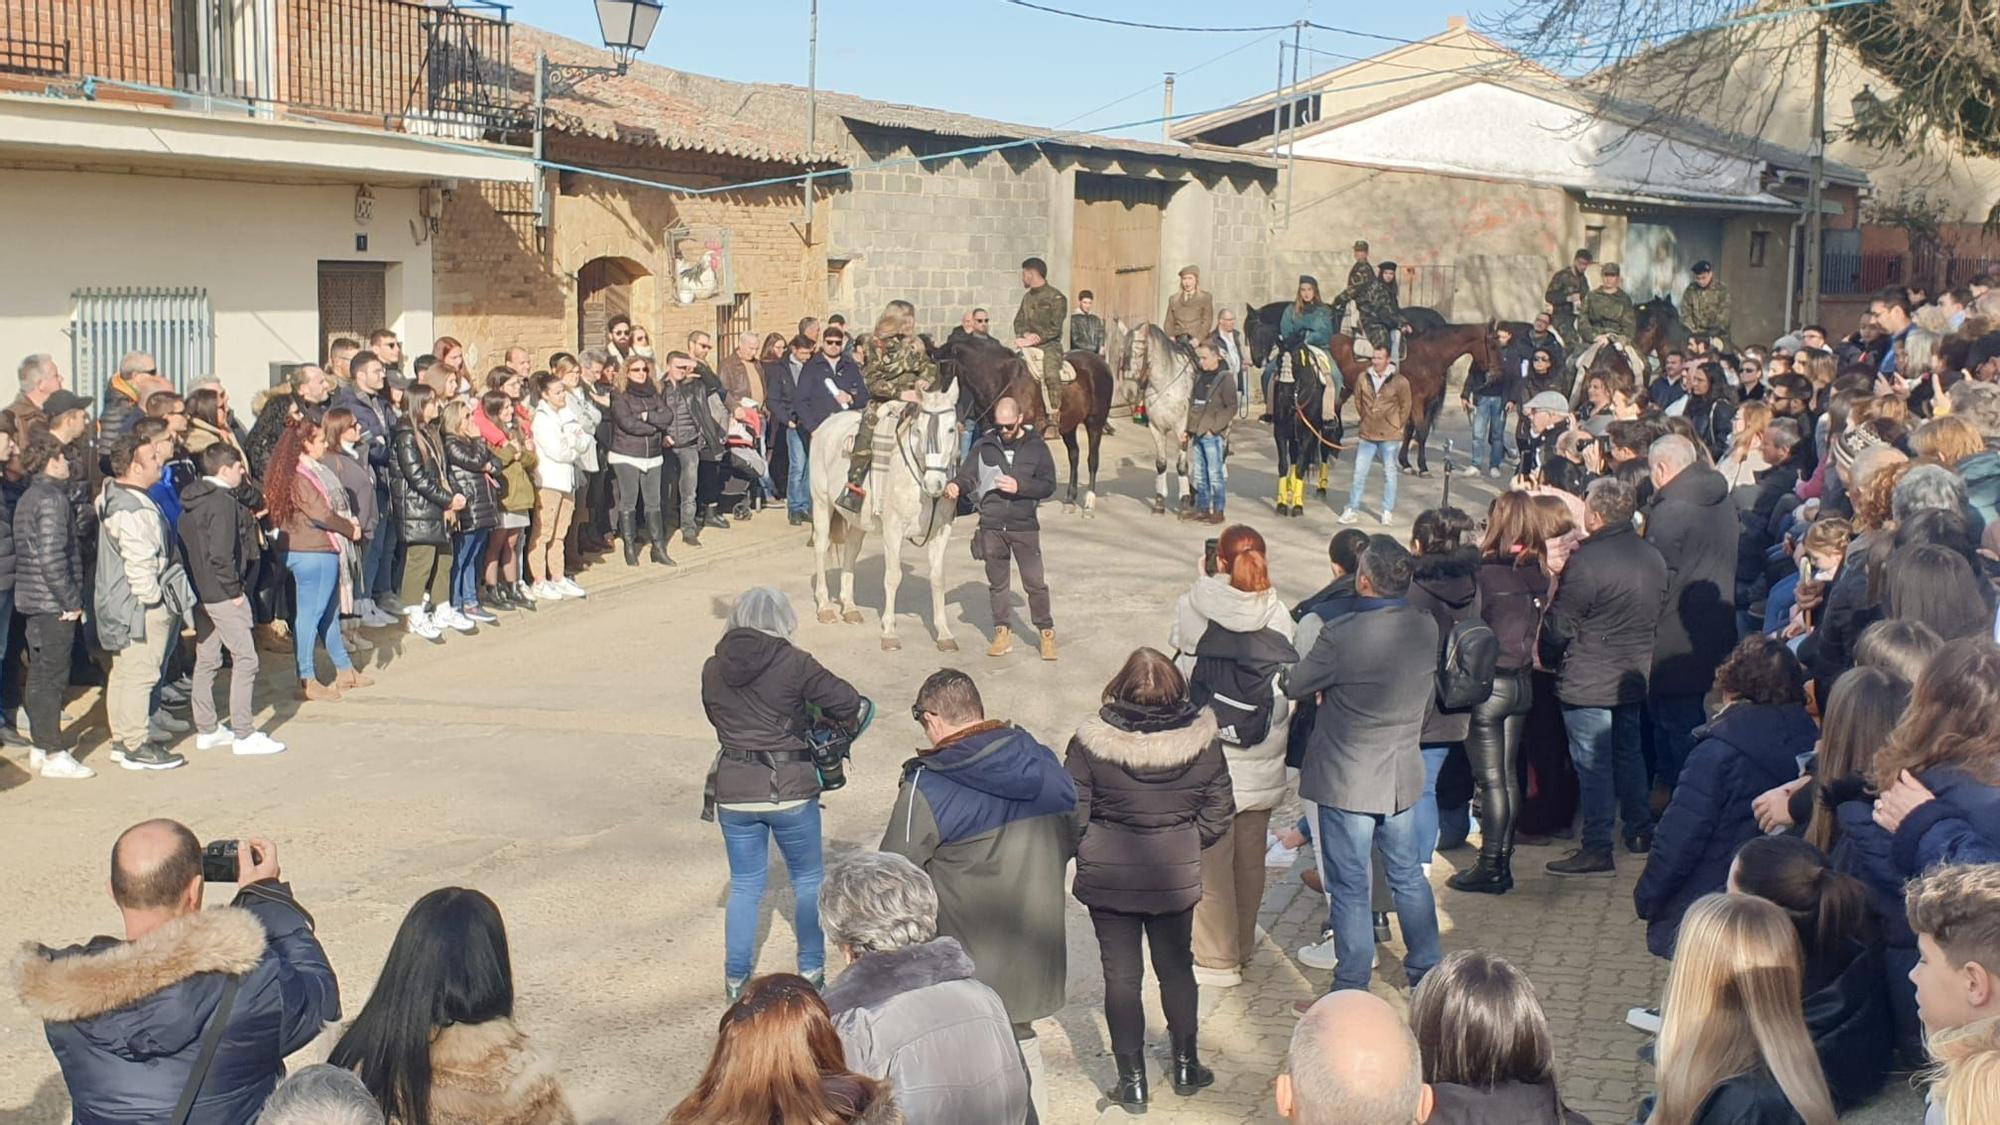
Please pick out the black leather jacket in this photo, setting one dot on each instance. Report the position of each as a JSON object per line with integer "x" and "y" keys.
{"x": 474, "y": 473}
{"x": 421, "y": 490}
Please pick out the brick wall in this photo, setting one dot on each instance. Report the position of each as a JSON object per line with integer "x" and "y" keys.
{"x": 495, "y": 287}
{"x": 1239, "y": 255}
{"x": 946, "y": 235}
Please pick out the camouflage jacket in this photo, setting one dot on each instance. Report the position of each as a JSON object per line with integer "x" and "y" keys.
{"x": 1566, "y": 283}
{"x": 1043, "y": 310}
{"x": 1378, "y": 306}
{"x": 1705, "y": 311}
{"x": 1359, "y": 277}
{"x": 1610, "y": 313}
{"x": 1086, "y": 332}
{"x": 897, "y": 364}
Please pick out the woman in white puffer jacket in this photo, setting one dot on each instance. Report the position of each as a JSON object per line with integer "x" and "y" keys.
{"x": 1232, "y": 637}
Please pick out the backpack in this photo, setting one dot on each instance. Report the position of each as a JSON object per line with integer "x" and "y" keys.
{"x": 1465, "y": 668}
{"x": 1240, "y": 692}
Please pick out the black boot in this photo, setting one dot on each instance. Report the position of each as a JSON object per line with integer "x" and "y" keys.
{"x": 1130, "y": 1091}
{"x": 656, "y": 527}
{"x": 1188, "y": 1073}
{"x": 1492, "y": 875}
{"x": 711, "y": 516}
{"x": 628, "y": 534}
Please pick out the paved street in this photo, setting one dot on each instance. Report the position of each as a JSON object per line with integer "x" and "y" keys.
{"x": 556, "y": 764}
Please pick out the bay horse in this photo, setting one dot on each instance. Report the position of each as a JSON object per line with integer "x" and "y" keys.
{"x": 1164, "y": 373}
{"x": 1660, "y": 329}
{"x": 984, "y": 371}
{"x": 910, "y": 496}
{"x": 1427, "y": 360}
{"x": 1260, "y": 326}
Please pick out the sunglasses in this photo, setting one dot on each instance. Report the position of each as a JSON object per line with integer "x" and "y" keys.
{"x": 918, "y": 713}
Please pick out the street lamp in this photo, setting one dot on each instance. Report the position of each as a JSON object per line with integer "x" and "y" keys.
{"x": 627, "y": 26}
{"x": 1867, "y": 108}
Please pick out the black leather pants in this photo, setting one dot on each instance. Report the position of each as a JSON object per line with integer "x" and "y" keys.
{"x": 1493, "y": 746}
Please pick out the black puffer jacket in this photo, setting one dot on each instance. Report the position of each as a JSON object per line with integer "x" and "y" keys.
{"x": 1447, "y": 588}
{"x": 638, "y": 420}
{"x": 474, "y": 475}
{"x": 1600, "y": 626}
{"x": 48, "y": 575}
{"x": 421, "y": 488}
{"x": 1152, "y": 790}
{"x": 1693, "y": 524}
{"x": 7, "y": 500}
{"x": 1027, "y": 460}
{"x": 755, "y": 690}
{"x": 1511, "y": 599}
{"x": 220, "y": 541}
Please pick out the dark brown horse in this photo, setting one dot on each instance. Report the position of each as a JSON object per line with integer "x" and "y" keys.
{"x": 986, "y": 371}
{"x": 1427, "y": 360}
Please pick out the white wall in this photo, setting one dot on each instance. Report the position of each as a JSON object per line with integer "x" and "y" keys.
{"x": 255, "y": 247}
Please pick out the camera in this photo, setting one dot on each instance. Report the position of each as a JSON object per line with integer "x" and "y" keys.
{"x": 218, "y": 861}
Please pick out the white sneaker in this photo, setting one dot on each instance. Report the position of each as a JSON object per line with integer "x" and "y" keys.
{"x": 220, "y": 736}
{"x": 1217, "y": 978}
{"x": 1645, "y": 1019}
{"x": 452, "y": 618}
{"x": 256, "y": 744}
{"x": 62, "y": 766}
{"x": 1469, "y": 471}
{"x": 1387, "y": 518}
{"x": 36, "y": 756}
{"x": 1321, "y": 954}
{"x": 570, "y": 589}
{"x": 1349, "y": 515}
{"x": 547, "y": 591}
{"x": 419, "y": 623}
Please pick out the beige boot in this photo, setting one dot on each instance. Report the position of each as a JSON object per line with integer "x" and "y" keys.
{"x": 1003, "y": 642}
{"x": 312, "y": 691}
{"x": 1048, "y": 644}
{"x": 349, "y": 679}
{"x": 274, "y": 637}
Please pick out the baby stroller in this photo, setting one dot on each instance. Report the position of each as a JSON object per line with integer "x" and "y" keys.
{"x": 746, "y": 482}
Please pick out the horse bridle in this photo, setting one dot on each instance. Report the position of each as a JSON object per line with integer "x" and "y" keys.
{"x": 934, "y": 441}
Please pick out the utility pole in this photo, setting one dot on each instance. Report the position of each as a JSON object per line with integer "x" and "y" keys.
{"x": 1809, "y": 300}
{"x": 1278, "y": 104}
{"x": 812, "y": 111}
{"x": 1292, "y": 143}
{"x": 1167, "y": 116}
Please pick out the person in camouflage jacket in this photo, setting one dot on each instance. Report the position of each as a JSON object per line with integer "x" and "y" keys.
{"x": 1381, "y": 313}
{"x": 1565, "y": 297}
{"x": 1705, "y": 308}
{"x": 1360, "y": 275}
{"x": 899, "y": 369}
{"x": 1038, "y": 327}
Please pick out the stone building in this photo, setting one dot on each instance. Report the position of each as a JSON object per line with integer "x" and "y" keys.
{"x": 933, "y": 207}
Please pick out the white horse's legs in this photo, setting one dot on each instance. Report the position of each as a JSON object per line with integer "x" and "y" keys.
{"x": 822, "y": 533}
{"x": 892, "y": 578}
{"x": 939, "y": 621}
{"x": 850, "y": 554}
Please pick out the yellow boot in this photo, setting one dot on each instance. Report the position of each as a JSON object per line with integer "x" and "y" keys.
{"x": 1284, "y": 493}
{"x": 1322, "y": 477}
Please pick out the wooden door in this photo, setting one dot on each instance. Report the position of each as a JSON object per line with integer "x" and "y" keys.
{"x": 353, "y": 301}
{"x": 603, "y": 290}
{"x": 1117, "y": 246}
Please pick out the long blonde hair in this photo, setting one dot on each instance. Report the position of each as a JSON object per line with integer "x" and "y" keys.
{"x": 899, "y": 318}
{"x": 1965, "y": 1082}
{"x": 1752, "y": 417}
{"x": 1732, "y": 1004}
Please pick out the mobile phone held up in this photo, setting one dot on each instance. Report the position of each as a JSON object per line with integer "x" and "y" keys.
{"x": 1208, "y": 561}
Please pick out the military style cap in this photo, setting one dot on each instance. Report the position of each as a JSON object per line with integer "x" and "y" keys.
{"x": 1361, "y": 244}
{"x": 1703, "y": 266}
{"x": 1609, "y": 269}
{"x": 1308, "y": 279}
{"x": 1191, "y": 271}
{"x": 1386, "y": 266}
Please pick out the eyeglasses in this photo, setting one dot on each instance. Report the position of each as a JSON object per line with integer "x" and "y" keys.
{"x": 148, "y": 371}
{"x": 917, "y": 712}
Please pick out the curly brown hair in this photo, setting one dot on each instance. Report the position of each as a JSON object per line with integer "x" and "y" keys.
{"x": 1872, "y": 501}
{"x": 1762, "y": 670}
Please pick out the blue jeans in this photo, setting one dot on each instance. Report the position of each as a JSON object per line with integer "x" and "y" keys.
{"x": 378, "y": 561}
{"x": 1426, "y": 807}
{"x": 1210, "y": 489}
{"x": 798, "y": 488}
{"x": 468, "y": 551}
{"x": 1346, "y": 839}
{"x": 1674, "y": 719}
{"x": 1365, "y": 453}
{"x": 1489, "y": 432}
{"x": 747, "y": 838}
{"x": 1610, "y": 771}
{"x": 316, "y": 574}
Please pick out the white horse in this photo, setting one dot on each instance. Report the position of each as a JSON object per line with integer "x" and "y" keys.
{"x": 1165, "y": 375}
{"x": 909, "y": 495}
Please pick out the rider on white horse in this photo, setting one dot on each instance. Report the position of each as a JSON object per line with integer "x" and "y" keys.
{"x": 898, "y": 372}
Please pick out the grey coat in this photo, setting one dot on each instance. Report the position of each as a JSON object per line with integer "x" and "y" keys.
{"x": 1377, "y": 670}
{"x": 917, "y": 1018}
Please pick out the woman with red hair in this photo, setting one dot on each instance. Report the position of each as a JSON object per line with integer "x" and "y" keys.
{"x": 306, "y": 503}
{"x": 778, "y": 1058}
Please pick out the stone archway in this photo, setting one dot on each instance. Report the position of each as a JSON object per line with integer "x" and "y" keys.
{"x": 608, "y": 287}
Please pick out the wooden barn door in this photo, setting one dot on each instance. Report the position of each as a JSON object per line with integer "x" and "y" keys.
{"x": 1117, "y": 246}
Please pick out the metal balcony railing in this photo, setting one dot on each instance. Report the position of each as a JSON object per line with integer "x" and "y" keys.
{"x": 406, "y": 65}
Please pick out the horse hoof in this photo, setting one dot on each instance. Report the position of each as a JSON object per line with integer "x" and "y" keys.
{"x": 891, "y": 644}
{"x": 827, "y": 617}
{"x": 946, "y": 644}
{"x": 852, "y": 617}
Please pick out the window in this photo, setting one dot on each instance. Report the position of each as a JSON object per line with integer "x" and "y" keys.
{"x": 731, "y": 321}
{"x": 1760, "y": 245}
{"x": 1593, "y": 240}
{"x": 176, "y": 326}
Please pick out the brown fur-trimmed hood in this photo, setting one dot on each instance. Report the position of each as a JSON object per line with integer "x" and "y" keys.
{"x": 489, "y": 1074}
{"x": 88, "y": 980}
{"x": 1148, "y": 750}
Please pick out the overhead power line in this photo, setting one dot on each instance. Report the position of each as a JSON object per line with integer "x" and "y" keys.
{"x": 1143, "y": 26}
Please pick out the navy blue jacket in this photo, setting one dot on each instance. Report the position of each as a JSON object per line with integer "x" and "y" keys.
{"x": 1961, "y": 826}
{"x": 971, "y": 790}
{"x": 1852, "y": 1031}
{"x": 1747, "y": 749}
{"x": 780, "y": 392}
{"x": 377, "y": 420}
{"x": 813, "y": 403}
{"x": 126, "y": 1019}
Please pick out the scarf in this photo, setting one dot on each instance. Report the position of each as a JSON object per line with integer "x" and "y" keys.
{"x": 328, "y": 486}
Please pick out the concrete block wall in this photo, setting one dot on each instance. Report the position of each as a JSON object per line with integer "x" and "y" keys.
{"x": 947, "y": 236}
{"x": 1239, "y": 255}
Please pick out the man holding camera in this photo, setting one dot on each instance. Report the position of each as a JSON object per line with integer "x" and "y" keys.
{"x": 191, "y": 1015}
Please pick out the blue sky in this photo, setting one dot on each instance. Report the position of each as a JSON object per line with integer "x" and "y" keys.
{"x": 994, "y": 59}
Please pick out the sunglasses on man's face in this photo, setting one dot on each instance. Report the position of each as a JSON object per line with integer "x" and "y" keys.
{"x": 917, "y": 712}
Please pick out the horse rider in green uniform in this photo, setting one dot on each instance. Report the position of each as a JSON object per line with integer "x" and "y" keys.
{"x": 1038, "y": 326}
{"x": 1381, "y": 315}
{"x": 1705, "y": 308}
{"x": 898, "y": 372}
{"x": 1565, "y": 297}
{"x": 1360, "y": 276}
{"x": 1609, "y": 318}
